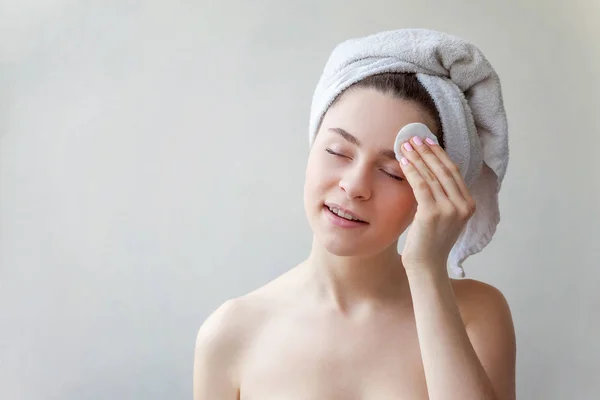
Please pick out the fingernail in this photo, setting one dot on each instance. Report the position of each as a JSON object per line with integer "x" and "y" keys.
{"x": 430, "y": 141}
{"x": 417, "y": 141}
{"x": 408, "y": 147}
{"x": 404, "y": 161}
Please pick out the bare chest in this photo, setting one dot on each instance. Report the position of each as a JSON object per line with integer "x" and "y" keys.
{"x": 316, "y": 359}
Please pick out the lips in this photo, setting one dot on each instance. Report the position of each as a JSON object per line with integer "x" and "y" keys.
{"x": 346, "y": 213}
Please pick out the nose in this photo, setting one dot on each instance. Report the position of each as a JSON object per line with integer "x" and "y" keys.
{"x": 356, "y": 184}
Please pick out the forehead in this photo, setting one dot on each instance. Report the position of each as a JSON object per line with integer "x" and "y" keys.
{"x": 372, "y": 116}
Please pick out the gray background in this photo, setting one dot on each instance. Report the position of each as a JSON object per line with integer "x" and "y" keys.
{"x": 152, "y": 162}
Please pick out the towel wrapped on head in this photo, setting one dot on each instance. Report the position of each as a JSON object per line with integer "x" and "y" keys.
{"x": 467, "y": 94}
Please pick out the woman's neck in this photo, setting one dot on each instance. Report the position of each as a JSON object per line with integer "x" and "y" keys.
{"x": 352, "y": 282}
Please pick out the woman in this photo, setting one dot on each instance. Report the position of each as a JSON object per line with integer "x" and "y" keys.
{"x": 356, "y": 319}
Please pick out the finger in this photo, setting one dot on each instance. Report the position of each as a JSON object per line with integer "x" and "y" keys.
{"x": 426, "y": 174}
{"x": 452, "y": 169}
{"x": 420, "y": 188}
{"x": 446, "y": 179}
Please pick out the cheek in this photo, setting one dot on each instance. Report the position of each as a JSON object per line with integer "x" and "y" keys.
{"x": 317, "y": 180}
{"x": 398, "y": 205}
{"x": 320, "y": 173}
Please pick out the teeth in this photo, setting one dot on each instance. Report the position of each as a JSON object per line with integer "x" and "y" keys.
{"x": 342, "y": 214}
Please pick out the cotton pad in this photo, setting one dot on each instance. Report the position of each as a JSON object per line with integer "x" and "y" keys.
{"x": 410, "y": 130}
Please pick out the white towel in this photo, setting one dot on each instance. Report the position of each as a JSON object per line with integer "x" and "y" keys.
{"x": 466, "y": 91}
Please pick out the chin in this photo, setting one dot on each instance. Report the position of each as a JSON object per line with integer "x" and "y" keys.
{"x": 341, "y": 246}
{"x": 358, "y": 246}
{"x": 342, "y": 249}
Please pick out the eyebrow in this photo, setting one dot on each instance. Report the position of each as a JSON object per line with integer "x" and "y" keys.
{"x": 354, "y": 140}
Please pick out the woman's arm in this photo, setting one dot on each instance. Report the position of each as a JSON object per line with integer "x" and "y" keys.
{"x": 476, "y": 362}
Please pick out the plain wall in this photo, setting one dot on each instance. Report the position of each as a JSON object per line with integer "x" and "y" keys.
{"x": 152, "y": 162}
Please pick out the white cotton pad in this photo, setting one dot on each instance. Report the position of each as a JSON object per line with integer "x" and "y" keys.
{"x": 410, "y": 130}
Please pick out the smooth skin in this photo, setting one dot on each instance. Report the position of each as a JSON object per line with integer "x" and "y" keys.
{"x": 357, "y": 320}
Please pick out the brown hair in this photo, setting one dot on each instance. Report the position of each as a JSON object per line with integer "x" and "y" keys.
{"x": 404, "y": 86}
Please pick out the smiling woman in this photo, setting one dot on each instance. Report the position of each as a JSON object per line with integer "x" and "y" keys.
{"x": 363, "y": 175}
{"x": 356, "y": 319}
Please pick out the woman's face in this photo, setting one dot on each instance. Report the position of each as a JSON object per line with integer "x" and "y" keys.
{"x": 351, "y": 166}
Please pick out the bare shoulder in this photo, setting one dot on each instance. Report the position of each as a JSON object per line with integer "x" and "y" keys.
{"x": 220, "y": 345}
{"x": 476, "y": 299}
{"x": 232, "y": 326}
{"x": 220, "y": 337}
{"x": 489, "y": 325}
{"x": 229, "y": 333}
{"x": 222, "y": 328}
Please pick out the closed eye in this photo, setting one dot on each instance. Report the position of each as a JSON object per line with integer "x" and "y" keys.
{"x": 334, "y": 153}
{"x": 399, "y": 179}
{"x": 393, "y": 176}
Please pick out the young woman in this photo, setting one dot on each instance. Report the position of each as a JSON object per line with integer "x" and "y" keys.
{"x": 356, "y": 319}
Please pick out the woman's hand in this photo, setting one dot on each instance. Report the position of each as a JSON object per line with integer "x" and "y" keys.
{"x": 444, "y": 205}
